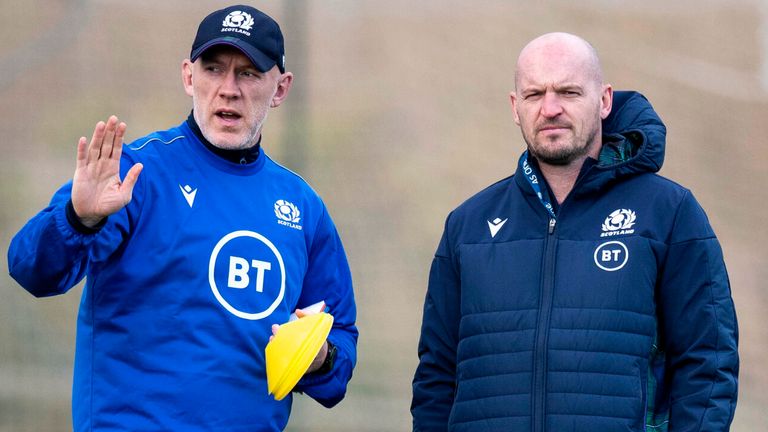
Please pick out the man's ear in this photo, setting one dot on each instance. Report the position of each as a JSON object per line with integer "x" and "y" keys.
{"x": 513, "y": 104}
{"x": 186, "y": 76}
{"x": 284, "y": 83}
{"x": 606, "y": 101}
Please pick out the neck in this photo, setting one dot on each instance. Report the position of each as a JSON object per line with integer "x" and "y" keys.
{"x": 561, "y": 178}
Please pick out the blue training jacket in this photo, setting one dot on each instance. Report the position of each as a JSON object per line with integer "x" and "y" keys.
{"x": 612, "y": 314}
{"x": 183, "y": 285}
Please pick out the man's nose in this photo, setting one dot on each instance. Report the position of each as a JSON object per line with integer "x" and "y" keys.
{"x": 229, "y": 87}
{"x": 551, "y": 105}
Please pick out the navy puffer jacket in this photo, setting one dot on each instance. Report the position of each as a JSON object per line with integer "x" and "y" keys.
{"x": 615, "y": 315}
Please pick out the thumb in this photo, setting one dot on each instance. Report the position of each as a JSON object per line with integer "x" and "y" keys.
{"x": 131, "y": 177}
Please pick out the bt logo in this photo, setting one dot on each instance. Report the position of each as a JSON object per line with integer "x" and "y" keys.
{"x": 239, "y": 273}
{"x": 611, "y": 256}
{"x": 247, "y": 275}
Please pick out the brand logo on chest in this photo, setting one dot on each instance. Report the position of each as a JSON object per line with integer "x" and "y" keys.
{"x": 246, "y": 273}
{"x": 287, "y": 214}
{"x": 619, "y": 222}
{"x": 611, "y": 256}
{"x": 495, "y": 225}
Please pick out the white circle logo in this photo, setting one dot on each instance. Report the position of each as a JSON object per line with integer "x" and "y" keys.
{"x": 611, "y": 256}
{"x": 246, "y": 274}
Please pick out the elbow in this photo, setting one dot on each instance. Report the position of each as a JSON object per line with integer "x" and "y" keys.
{"x": 333, "y": 400}
{"x": 38, "y": 288}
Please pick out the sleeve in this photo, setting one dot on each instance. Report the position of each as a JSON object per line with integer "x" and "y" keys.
{"x": 48, "y": 256}
{"x": 328, "y": 278}
{"x": 699, "y": 328}
{"x": 434, "y": 382}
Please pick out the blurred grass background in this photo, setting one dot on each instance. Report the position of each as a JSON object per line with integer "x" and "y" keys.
{"x": 399, "y": 112}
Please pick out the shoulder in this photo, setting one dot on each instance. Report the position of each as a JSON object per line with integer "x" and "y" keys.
{"x": 295, "y": 201}
{"x": 155, "y": 143}
{"x": 488, "y": 197}
{"x": 468, "y": 223}
{"x": 672, "y": 212}
{"x": 657, "y": 190}
{"x": 287, "y": 179}
{"x": 690, "y": 221}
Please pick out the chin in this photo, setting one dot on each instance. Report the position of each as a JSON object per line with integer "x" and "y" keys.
{"x": 226, "y": 142}
{"x": 564, "y": 157}
{"x": 230, "y": 145}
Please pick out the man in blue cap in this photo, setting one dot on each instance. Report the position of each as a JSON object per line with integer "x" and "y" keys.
{"x": 190, "y": 264}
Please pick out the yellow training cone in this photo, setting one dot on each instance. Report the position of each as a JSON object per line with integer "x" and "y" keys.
{"x": 292, "y": 350}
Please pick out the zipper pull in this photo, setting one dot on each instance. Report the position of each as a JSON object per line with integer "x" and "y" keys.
{"x": 552, "y": 222}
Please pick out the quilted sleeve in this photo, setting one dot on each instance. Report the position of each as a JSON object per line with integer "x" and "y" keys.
{"x": 434, "y": 382}
{"x": 699, "y": 328}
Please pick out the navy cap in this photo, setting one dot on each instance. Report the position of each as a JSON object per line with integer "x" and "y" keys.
{"x": 246, "y": 28}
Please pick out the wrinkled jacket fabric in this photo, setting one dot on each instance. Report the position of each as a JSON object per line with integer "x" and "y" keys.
{"x": 183, "y": 286}
{"x": 614, "y": 315}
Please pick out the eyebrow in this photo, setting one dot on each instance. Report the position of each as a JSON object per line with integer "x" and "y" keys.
{"x": 556, "y": 86}
{"x": 569, "y": 86}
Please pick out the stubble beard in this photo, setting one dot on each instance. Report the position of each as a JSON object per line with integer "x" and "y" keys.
{"x": 574, "y": 150}
{"x": 249, "y": 140}
{"x": 561, "y": 155}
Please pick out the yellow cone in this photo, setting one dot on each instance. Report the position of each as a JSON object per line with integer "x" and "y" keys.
{"x": 290, "y": 353}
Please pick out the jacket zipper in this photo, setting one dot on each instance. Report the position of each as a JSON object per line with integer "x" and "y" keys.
{"x": 542, "y": 329}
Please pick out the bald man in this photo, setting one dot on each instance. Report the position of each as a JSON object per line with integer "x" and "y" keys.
{"x": 585, "y": 292}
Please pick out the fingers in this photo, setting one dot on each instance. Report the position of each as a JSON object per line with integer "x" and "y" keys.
{"x": 107, "y": 137}
{"x": 117, "y": 142}
{"x": 108, "y": 143}
{"x": 311, "y": 309}
{"x": 82, "y": 151}
{"x": 275, "y": 328}
{"x": 94, "y": 147}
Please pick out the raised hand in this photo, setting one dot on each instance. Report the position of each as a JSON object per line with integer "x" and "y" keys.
{"x": 97, "y": 190}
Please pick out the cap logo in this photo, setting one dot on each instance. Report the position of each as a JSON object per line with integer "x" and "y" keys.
{"x": 238, "y": 21}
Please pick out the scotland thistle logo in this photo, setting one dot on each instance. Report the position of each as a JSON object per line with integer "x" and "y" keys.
{"x": 238, "y": 19}
{"x": 239, "y": 22}
{"x": 619, "y": 222}
{"x": 287, "y": 214}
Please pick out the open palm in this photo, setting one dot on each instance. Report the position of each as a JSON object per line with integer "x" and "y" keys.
{"x": 97, "y": 190}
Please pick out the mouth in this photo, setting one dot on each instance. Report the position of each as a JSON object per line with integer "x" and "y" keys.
{"x": 555, "y": 128}
{"x": 228, "y": 116}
